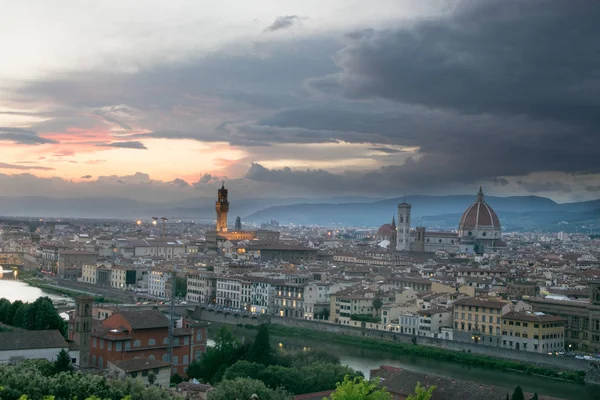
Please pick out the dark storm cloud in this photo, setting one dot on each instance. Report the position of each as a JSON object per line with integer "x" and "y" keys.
{"x": 282, "y": 22}
{"x": 545, "y": 186}
{"x": 23, "y": 167}
{"x": 510, "y": 57}
{"x": 22, "y": 136}
{"x": 125, "y": 145}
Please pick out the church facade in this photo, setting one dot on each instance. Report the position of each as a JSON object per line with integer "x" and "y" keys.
{"x": 479, "y": 231}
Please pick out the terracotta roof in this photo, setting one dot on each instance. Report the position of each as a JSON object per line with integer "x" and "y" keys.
{"x": 532, "y": 317}
{"x": 479, "y": 214}
{"x": 146, "y": 319}
{"x": 481, "y": 303}
{"x": 25, "y": 340}
{"x": 139, "y": 364}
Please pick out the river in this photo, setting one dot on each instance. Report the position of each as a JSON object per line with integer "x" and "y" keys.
{"x": 13, "y": 289}
{"x": 364, "y": 360}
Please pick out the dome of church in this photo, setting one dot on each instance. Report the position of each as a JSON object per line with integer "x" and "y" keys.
{"x": 385, "y": 230}
{"x": 479, "y": 220}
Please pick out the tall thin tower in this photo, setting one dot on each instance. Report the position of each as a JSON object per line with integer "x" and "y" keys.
{"x": 222, "y": 207}
{"x": 403, "y": 235}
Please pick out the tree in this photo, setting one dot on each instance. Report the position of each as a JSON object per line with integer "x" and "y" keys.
{"x": 151, "y": 377}
{"x": 377, "y": 303}
{"x": 421, "y": 393}
{"x": 63, "y": 362}
{"x": 535, "y": 396}
{"x": 518, "y": 394}
{"x": 260, "y": 351}
{"x": 359, "y": 389}
{"x": 244, "y": 388}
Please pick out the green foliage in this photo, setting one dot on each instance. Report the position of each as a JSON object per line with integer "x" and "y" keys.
{"x": 38, "y": 315}
{"x": 365, "y": 318}
{"x": 260, "y": 351}
{"x": 181, "y": 286}
{"x": 377, "y": 303}
{"x": 518, "y": 394}
{"x": 359, "y": 389}
{"x": 31, "y": 379}
{"x": 213, "y": 364}
{"x": 421, "y": 393}
{"x": 535, "y": 396}
{"x": 243, "y": 388}
{"x": 176, "y": 379}
{"x": 63, "y": 362}
{"x": 315, "y": 377}
{"x": 435, "y": 353}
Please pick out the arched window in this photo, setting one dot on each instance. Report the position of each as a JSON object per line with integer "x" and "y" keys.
{"x": 86, "y": 311}
{"x": 401, "y": 219}
{"x": 137, "y": 343}
{"x": 151, "y": 342}
{"x": 165, "y": 340}
{"x": 100, "y": 362}
{"x": 151, "y": 357}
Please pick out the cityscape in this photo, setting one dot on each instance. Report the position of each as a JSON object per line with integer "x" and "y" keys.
{"x": 300, "y": 200}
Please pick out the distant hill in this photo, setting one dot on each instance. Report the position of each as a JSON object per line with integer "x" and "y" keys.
{"x": 444, "y": 212}
{"x": 202, "y": 208}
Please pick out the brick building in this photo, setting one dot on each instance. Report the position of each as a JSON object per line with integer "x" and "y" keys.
{"x": 145, "y": 334}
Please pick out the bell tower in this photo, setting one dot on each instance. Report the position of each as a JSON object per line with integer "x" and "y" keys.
{"x": 82, "y": 333}
{"x": 403, "y": 235}
{"x": 222, "y": 207}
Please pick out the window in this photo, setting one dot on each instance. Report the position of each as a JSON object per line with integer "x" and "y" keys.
{"x": 118, "y": 346}
{"x": 186, "y": 359}
{"x": 94, "y": 342}
{"x": 175, "y": 360}
{"x": 137, "y": 343}
{"x": 151, "y": 342}
{"x": 109, "y": 345}
{"x": 165, "y": 340}
{"x": 101, "y": 343}
{"x": 199, "y": 335}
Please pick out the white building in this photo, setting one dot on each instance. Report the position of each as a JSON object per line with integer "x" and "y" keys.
{"x": 229, "y": 292}
{"x": 88, "y": 273}
{"x": 159, "y": 284}
{"x": 201, "y": 287}
{"x": 432, "y": 321}
{"x": 263, "y": 296}
{"x": 33, "y": 345}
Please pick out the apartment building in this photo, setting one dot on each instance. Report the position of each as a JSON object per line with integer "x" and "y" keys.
{"x": 289, "y": 300}
{"x": 432, "y": 321}
{"x": 477, "y": 320}
{"x": 128, "y": 335}
{"x": 160, "y": 284}
{"x": 201, "y": 288}
{"x": 263, "y": 296}
{"x": 88, "y": 273}
{"x": 533, "y": 331}
{"x": 350, "y": 301}
{"x": 71, "y": 262}
{"x": 229, "y": 292}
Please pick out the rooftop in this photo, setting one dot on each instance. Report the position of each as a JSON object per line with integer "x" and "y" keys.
{"x": 26, "y": 340}
{"x": 139, "y": 364}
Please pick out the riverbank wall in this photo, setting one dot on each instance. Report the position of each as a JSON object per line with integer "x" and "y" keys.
{"x": 542, "y": 360}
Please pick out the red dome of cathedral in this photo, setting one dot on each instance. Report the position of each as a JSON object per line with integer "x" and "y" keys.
{"x": 385, "y": 230}
{"x": 478, "y": 216}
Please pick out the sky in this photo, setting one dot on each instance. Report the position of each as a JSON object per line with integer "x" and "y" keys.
{"x": 165, "y": 100}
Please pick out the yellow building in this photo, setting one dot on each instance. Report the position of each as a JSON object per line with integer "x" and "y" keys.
{"x": 535, "y": 332}
{"x": 477, "y": 320}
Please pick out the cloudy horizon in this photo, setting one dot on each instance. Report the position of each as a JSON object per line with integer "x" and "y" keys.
{"x": 164, "y": 101}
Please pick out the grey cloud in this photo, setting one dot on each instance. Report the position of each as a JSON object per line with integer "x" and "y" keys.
{"x": 499, "y": 181}
{"x": 386, "y": 150}
{"x": 179, "y": 182}
{"x": 22, "y": 136}
{"x": 125, "y": 145}
{"x": 592, "y": 188}
{"x": 24, "y": 167}
{"x": 86, "y": 177}
{"x": 282, "y": 22}
{"x": 505, "y": 57}
{"x": 545, "y": 186}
